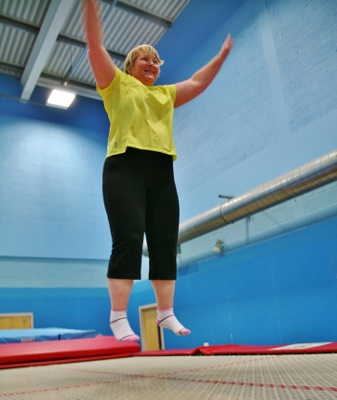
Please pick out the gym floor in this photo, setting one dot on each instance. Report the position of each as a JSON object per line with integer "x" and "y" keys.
{"x": 288, "y": 376}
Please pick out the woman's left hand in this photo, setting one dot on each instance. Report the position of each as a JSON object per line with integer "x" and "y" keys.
{"x": 228, "y": 44}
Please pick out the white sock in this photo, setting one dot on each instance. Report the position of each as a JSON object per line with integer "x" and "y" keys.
{"x": 120, "y": 327}
{"x": 167, "y": 319}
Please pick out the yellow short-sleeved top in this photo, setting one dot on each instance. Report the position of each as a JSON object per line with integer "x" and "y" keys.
{"x": 140, "y": 116}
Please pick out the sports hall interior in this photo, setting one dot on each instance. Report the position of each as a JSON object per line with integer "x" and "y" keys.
{"x": 266, "y": 126}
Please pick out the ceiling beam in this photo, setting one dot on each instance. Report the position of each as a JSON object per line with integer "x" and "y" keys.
{"x": 19, "y": 24}
{"x": 24, "y": 26}
{"x": 50, "y": 29}
{"x": 49, "y": 81}
{"x": 140, "y": 12}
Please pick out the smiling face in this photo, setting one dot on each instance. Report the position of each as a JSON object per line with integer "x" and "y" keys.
{"x": 143, "y": 63}
{"x": 146, "y": 69}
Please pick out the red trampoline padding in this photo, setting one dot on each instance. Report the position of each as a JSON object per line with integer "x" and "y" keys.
{"x": 63, "y": 361}
{"x": 326, "y": 347}
{"x": 227, "y": 349}
{"x": 52, "y": 351}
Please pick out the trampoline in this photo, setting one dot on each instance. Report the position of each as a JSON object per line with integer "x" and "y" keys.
{"x": 265, "y": 376}
{"x": 77, "y": 367}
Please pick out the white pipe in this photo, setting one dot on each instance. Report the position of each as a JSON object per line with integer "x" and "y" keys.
{"x": 301, "y": 180}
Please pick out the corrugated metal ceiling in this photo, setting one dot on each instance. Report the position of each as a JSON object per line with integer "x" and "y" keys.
{"x": 43, "y": 43}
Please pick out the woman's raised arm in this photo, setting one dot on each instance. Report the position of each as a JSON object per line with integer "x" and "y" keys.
{"x": 191, "y": 88}
{"x": 101, "y": 63}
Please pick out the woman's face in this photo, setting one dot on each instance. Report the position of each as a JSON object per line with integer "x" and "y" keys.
{"x": 146, "y": 68}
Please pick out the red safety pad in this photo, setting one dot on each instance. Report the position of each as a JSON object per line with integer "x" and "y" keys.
{"x": 52, "y": 352}
{"x": 13, "y": 355}
{"x": 326, "y": 347}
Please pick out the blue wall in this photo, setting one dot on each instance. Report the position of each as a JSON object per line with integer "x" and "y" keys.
{"x": 54, "y": 235}
{"x": 50, "y": 179}
{"x": 271, "y": 109}
{"x": 78, "y": 308}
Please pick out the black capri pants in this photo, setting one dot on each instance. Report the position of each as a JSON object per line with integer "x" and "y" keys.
{"x": 140, "y": 197}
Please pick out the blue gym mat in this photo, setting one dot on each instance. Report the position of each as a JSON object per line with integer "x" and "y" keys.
{"x": 43, "y": 334}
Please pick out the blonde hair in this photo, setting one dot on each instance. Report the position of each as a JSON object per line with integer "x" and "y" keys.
{"x": 134, "y": 53}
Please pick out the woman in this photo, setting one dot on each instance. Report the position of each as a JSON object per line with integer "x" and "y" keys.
{"x": 138, "y": 183}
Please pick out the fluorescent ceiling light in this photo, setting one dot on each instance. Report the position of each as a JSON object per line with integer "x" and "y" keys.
{"x": 60, "y": 98}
